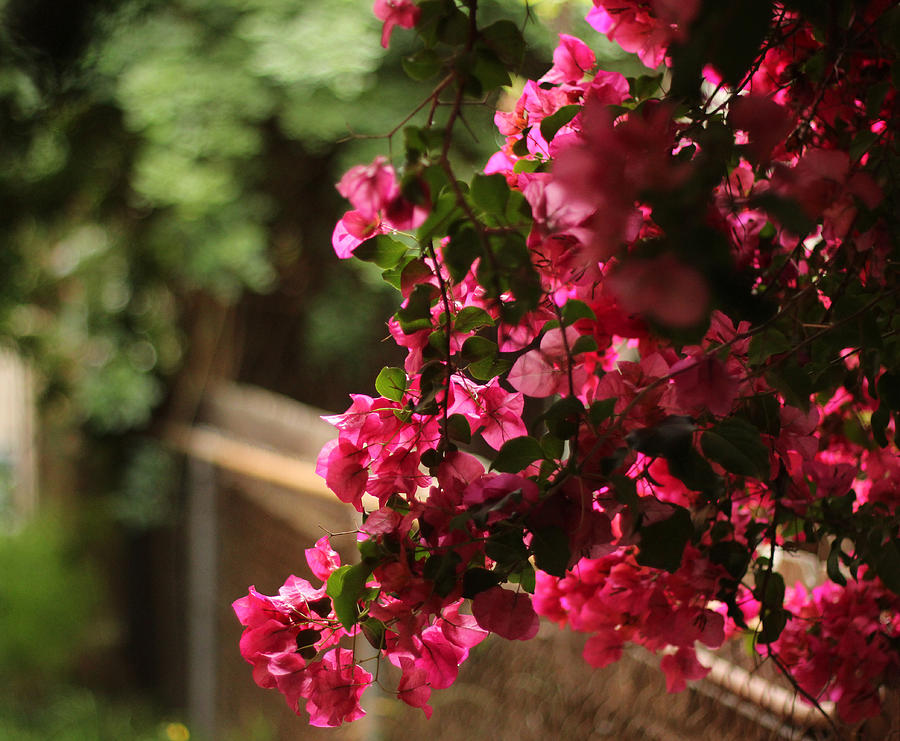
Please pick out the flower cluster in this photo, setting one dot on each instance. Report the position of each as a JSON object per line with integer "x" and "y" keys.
{"x": 653, "y": 343}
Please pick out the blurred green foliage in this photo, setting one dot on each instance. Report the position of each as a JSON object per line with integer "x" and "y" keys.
{"x": 154, "y": 150}
{"x": 49, "y": 603}
{"x": 46, "y": 597}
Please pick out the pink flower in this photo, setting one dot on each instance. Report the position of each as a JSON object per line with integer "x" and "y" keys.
{"x": 662, "y": 288}
{"x": 628, "y": 23}
{"x": 369, "y": 188}
{"x": 378, "y": 206}
{"x": 403, "y": 13}
{"x": 490, "y": 410}
{"x": 703, "y": 382}
{"x": 545, "y": 371}
{"x": 571, "y": 59}
{"x": 508, "y": 614}
{"x": 602, "y": 649}
{"x": 681, "y": 667}
{"x": 333, "y": 687}
{"x": 765, "y": 122}
{"x": 413, "y": 688}
{"x": 322, "y": 559}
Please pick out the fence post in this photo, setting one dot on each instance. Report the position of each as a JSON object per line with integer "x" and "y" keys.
{"x": 202, "y": 596}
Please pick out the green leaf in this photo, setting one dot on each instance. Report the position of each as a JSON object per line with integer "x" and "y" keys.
{"x": 477, "y": 348}
{"x": 554, "y": 447}
{"x": 458, "y": 429}
{"x": 670, "y": 438}
{"x": 444, "y": 213}
{"x": 575, "y": 310}
{"x": 875, "y": 97}
{"x": 694, "y": 471}
{"x": 889, "y": 390}
{"x": 769, "y": 589}
{"x": 490, "y": 192}
{"x": 785, "y": 211}
{"x": 881, "y": 417}
{"x": 861, "y": 144}
{"x": 736, "y": 446}
{"x": 422, "y": 65}
{"x": 833, "y": 564}
{"x": 461, "y": 251}
{"x": 383, "y": 250}
{"x": 644, "y": 86}
{"x": 601, "y": 411}
{"x": 373, "y": 630}
{"x": 763, "y": 412}
{"x": 773, "y": 623}
{"x": 765, "y": 344}
{"x": 550, "y": 546}
{"x": 524, "y": 165}
{"x": 416, "y": 314}
{"x": 506, "y": 41}
{"x": 732, "y": 556}
{"x": 520, "y": 148}
{"x": 471, "y": 318}
{"x": 554, "y": 122}
{"x": 479, "y": 580}
{"x": 437, "y": 342}
{"x": 793, "y": 381}
{"x": 524, "y": 577}
{"x": 485, "y": 72}
{"x": 585, "y": 343}
{"x": 732, "y": 34}
{"x": 391, "y": 383}
{"x": 887, "y": 565}
{"x": 625, "y": 491}
{"x": 440, "y": 568}
{"x": 662, "y": 543}
{"x": 488, "y": 368}
{"x": 506, "y": 548}
{"x": 517, "y": 454}
{"x": 563, "y": 417}
{"x": 453, "y": 26}
{"x": 346, "y": 586}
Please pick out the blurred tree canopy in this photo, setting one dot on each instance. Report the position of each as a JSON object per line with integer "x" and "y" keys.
{"x": 156, "y": 154}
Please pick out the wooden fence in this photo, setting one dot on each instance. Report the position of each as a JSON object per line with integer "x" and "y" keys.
{"x": 254, "y": 504}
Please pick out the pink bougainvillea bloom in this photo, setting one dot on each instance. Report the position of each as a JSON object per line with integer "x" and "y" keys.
{"x": 351, "y": 231}
{"x": 508, "y": 614}
{"x": 703, "y": 383}
{"x": 378, "y": 206}
{"x": 440, "y": 658}
{"x": 765, "y": 122}
{"x": 602, "y": 649}
{"x": 490, "y": 410}
{"x": 343, "y": 466}
{"x": 461, "y": 629}
{"x": 545, "y": 371}
{"x": 662, "y": 288}
{"x": 403, "y": 13}
{"x": 333, "y": 687}
{"x": 571, "y": 59}
{"x": 608, "y": 88}
{"x": 631, "y": 26}
{"x": 369, "y": 188}
{"x": 680, "y": 668}
{"x": 413, "y": 688}
{"x": 322, "y": 559}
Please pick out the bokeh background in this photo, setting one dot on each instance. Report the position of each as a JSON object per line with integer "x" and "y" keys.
{"x": 173, "y": 320}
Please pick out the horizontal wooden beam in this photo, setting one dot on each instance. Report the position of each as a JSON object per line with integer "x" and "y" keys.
{"x": 273, "y": 467}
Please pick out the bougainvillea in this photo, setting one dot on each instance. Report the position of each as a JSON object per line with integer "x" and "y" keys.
{"x": 651, "y": 346}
